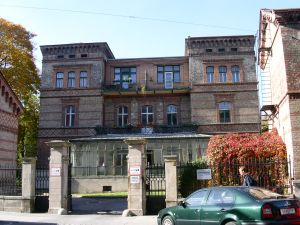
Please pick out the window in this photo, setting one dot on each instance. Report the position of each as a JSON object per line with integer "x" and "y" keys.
{"x": 172, "y": 115}
{"x": 121, "y": 163}
{"x": 83, "y": 79}
{"x": 210, "y": 74}
{"x": 125, "y": 76}
{"x": 222, "y": 72}
{"x": 220, "y": 196}
{"x": 221, "y": 50}
{"x": 208, "y": 50}
{"x": 165, "y": 72}
{"x": 224, "y": 112}
{"x": 71, "y": 56}
{"x": 235, "y": 70}
{"x": 234, "y": 49}
{"x": 196, "y": 199}
{"x": 59, "y": 80}
{"x": 70, "y": 116}
{"x": 71, "y": 79}
{"x": 147, "y": 115}
{"x": 122, "y": 116}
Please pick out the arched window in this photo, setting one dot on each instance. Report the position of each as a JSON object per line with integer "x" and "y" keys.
{"x": 172, "y": 115}
{"x": 235, "y": 70}
{"x": 147, "y": 115}
{"x": 122, "y": 116}
{"x": 70, "y": 116}
{"x": 224, "y": 112}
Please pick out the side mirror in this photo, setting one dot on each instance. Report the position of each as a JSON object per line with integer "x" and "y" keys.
{"x": 182, "y": 203}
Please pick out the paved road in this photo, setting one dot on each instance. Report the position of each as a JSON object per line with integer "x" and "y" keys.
{"x": 99, "y": 205}
{"x": 86, "y": 211}
{"x": 10, "y": 218}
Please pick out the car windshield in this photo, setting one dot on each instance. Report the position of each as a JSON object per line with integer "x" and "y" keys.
{"x": 261, "y": 193}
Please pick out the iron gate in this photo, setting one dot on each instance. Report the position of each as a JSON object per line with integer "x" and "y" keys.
{"x": 155, "y": 189}
{"x": 42, "y": 188}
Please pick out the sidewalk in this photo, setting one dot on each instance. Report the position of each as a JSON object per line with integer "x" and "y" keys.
{"x": 12, "y": 218}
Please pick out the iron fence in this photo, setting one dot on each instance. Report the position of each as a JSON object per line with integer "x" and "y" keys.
{"x": 11, "y": 180}
{"x": 42, "y": 180}
{"x": 269, "y": 173}
{"x": 79, "y": 171}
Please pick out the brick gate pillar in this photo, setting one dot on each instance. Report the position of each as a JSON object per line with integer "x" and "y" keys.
{"x": 136, "y": 176}
{"x": 58, "y": 176}
{"x": 171, "y": 180}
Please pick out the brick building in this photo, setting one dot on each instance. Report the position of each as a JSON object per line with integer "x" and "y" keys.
{"x": 176, "y": 103}
{"x": 279, "y": 60}
{"x": 10, "y": 110}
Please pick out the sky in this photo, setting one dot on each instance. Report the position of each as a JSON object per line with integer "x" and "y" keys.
{"x": 135, "y": 28}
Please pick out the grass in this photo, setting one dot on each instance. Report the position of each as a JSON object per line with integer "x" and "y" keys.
{"x": 103, "y": 194}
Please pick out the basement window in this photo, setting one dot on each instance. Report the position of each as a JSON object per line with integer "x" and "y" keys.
{"x": 83, "y": 55}
{"x": 60, "y": 56}
{"x": 106, "y": 188}
{"x": 208, "y": 50}
{"x": 71, "y": 56}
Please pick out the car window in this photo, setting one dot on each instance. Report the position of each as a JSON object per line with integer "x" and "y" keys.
{"x": 196, "y": 199}
{"x": 220, "y": 196}
{"x": 261, "y": 193}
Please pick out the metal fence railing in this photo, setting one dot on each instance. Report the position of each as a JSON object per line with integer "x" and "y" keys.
{"x": 269, "y": 173}
{"x": 42, "y": 180}
{"x": 11, "y": 180}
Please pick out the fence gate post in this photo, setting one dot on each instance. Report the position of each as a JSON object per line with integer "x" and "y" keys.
{"x": 28, "y": 181}
{"x": 136, "y": 176}
{"x": 171, "y": 180}
{"x": 58, "y": 177}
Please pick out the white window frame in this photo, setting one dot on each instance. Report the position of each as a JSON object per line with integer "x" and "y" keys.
{"x": 147, "y": 114}
{"x": 70, "y": 116}
{"x": 168, "y": 80}
{"x": 83, "y": 81}
{"x": 122, "y": 115}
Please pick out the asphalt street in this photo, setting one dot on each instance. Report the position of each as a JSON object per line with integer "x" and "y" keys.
{"x": 86, "y": 211}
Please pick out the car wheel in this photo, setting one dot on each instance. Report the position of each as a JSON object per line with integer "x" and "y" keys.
{"x": 167, "y": 221}
{"x": 231, "y": 223}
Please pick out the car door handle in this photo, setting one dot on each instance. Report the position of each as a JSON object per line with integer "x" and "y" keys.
{"x": 224, "y": 210}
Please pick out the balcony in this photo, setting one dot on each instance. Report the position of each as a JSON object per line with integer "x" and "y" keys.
{"x": 157, "y": 129}
{"x": 145, "y": 88}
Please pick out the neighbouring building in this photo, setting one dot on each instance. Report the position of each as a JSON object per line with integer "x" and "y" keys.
{"x": 10, "y": 110}
{"x": 96, "y": 101}
{"x": 279, "y": 60}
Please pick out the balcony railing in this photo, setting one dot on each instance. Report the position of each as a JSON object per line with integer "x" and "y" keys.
{"x": 146, "y": 130}
{"x": 148, "y": 87}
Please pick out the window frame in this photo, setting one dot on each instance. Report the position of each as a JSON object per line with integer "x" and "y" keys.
{"x": 147, "y": 115}
{"x": 123, "y": 115}
{"x": 210, "y": 74}
{"x": 172, "y": 113}
{"x": 225, "y": 108}
{"x": 120, "y": 73}
{"x": 71, "y": 79}
{"x": 59, "y": 82}
{"x": 223, "y": 74}
{"x": 69, "y": 115}
{"x": 83, "y": 80}
{"x": 161, "y": 71}
{"x": 235, "y": 71}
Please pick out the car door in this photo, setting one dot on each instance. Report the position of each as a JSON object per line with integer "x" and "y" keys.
{"x": 219, "y": 202}
{"x": 188, "y": 213}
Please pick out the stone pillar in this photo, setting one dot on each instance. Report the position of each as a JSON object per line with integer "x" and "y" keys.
{"x": 171, "y": 180}
{"x": 58, "y": 176}
{"x": 136, "y": 176}
{"x": 28, "y": 181}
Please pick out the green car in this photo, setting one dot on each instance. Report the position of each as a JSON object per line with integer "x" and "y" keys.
{"x": 232, "y": 206}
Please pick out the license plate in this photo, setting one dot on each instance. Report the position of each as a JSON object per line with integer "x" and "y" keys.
{"x": 287, "y": 211}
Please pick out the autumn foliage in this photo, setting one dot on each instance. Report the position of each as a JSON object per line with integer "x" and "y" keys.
{"x": 241, "y": 147}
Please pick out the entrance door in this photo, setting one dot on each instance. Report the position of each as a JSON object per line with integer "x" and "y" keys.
{"x": 168, "y": 80}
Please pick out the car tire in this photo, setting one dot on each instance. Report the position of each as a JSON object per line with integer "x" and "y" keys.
{"x": 231, "y": 223}
{"x": 167, "y": 220}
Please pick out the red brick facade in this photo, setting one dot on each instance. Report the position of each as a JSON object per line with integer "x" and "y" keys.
{"x": 280, "y": 59}
{"x": 10, "y": 109}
